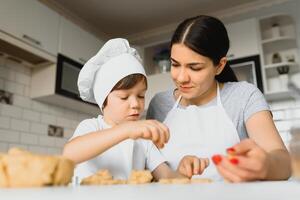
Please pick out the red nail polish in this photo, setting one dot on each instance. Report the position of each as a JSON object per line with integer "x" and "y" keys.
{"x": 234, "y": 161}
{"x": 230, "y": 150}
{"x": 216, "y": 159}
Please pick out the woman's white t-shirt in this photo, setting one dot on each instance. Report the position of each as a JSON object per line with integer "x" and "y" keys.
{"x": 119, "y": 159}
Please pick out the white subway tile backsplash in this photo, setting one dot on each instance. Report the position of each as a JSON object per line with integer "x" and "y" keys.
{"x": 38, "y": 106}
{"x": 17, "y": 145}
{"x": 60, "y": 142}
{"x": 3, "y": 147}
{"x": 13, "y": 87}
{"x": 16, "y": 66}
{"x": 4, "y": 122}
{"x": 19, "y": 125}
{"x": 48, "y": 119}
{"x": 63, "y": 122}
{"x": 25, "y": 123}
{"x": 47, "y": 141}
{"x": 29, "y": 138}
{"x": 7, "y": 74}
{"x": 38, "y": 149}
{"x": 31, "y": 115}
{"x": 11, "y": 111}
{"x": 9, "y": 136}
{"x": 55, "y": 151}
{"x": 39, "y": 128}
{"x": 22, "y": 101}
{"x": 23, "y": 78}
{"x": 74, "y": 124}
{"x": 56, "y": 110}
{"x": 1, "y": 84}
{"x": 27, "y": 91}
{"x": 70, "y": 114}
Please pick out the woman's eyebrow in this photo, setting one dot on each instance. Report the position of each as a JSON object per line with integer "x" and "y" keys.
{"x": 174, "y": 60}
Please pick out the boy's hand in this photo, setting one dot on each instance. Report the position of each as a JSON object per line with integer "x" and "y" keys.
{"x": 147, "y": 129}
{"x": 192, "y": 165}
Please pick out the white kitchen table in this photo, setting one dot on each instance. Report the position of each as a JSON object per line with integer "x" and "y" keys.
{"x": 283, "y": 190}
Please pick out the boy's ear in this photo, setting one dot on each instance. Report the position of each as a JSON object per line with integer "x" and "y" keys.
{"x": 221, "y": 65}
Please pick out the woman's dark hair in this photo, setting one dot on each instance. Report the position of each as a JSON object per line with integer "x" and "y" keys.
{"x": 207, "y": 36}
{"x": 128, "y": 82}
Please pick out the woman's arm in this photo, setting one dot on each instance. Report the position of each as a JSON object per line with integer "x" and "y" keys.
{"x": 261, "y": 157}
{"x": 261, "y": 129}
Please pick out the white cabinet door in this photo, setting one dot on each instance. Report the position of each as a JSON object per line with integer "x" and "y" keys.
{"x": 243, "y": 38}
{"x": 32, "y": 22}
{"x": 76, "y": 43}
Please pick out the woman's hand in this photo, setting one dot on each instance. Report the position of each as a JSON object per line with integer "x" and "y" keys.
{"x": 246, "y": 161}
{"x": 147, "y": 129}
{"x": 192, "y": 165}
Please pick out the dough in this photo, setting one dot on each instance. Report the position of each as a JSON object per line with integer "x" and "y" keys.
{"x": 140, "y": 177}
{"x": 174, "y": 181}
{"x": 25, "y": 169}
{"x": 102, "y": 177}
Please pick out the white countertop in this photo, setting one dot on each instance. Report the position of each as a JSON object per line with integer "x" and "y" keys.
{"x": 283, "y": 190}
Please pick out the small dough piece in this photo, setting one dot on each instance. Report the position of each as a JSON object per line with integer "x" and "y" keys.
{"x": 175, "y": 181}
{"x": 102, "y": 177}
{"x": 140, "y": 177}
{"x": 201, "y": 180}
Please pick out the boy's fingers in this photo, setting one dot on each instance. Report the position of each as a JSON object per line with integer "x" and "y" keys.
{"x": 196, "y": 165}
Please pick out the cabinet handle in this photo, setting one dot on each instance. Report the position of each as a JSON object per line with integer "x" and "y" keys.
{"x": 82, "y": 60}
{"x": 32, "y": 40}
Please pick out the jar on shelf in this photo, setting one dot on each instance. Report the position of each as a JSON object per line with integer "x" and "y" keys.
{"x": 294, "y": 148}
{"x": 162, "y": 59}
{"x": 275, "y": 30}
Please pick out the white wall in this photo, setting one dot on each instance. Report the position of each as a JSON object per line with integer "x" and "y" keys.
{"x": 25, "y": 123}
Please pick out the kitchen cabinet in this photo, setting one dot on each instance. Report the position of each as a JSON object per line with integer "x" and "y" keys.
{"x": 243, "y": 36}
{"x": 31, "y": 22}
{"x": 76, "y": 43}
{"x": 280, "y": 54}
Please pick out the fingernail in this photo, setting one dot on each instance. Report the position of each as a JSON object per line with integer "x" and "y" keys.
{"x": 234, "y": 161}
{"x": 230, "y": 150}
{"x": 216, "y": 159}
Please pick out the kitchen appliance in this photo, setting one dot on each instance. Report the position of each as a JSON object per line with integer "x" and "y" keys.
{"x": 248, "y": 69}
{"x": 57, "y": 84}
{"x": 66, "y": 77}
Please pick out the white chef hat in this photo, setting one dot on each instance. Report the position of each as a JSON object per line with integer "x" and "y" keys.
{"x": 114, "y": 61}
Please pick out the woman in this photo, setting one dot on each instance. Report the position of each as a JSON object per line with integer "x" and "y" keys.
{"x": 210, "y": 114}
